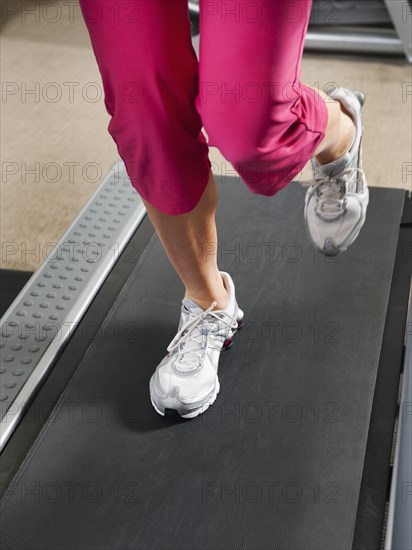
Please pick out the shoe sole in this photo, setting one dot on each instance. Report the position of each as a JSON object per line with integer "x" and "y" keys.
{"x": 196, "y": 410}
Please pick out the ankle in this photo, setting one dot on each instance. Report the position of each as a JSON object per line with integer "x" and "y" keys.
{"x": 205, "y": 303}
{"x": 347, "y": 132}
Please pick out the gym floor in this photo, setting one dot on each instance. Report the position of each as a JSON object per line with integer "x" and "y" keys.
{"x": 56, "y": 148}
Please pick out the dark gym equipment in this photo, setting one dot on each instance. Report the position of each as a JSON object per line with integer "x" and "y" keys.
{"x": 294, "y": 453}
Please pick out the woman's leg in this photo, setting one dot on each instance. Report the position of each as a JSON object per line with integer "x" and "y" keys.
{"x": 150, "y": 77}
{"x": 253, "y": 105}
{"x": 254, "y": 108}
{"x": 190, "y": 241}
{"x": 269, "y": 125}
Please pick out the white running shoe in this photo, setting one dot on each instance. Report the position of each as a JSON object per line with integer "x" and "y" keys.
{"x": 336, "y": 202}
{"x": 186, "y": 382}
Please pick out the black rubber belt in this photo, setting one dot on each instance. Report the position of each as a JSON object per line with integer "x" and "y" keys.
{"x": 277, "y": 461}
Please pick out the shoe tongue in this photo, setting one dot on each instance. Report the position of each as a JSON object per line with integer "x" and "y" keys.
{"x": 192, "y": 306}
{"x": 335, "y": 167}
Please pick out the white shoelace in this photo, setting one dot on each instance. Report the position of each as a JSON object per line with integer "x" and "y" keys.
{"x": 331, "y": 192}
{"x": 188, "y": 342}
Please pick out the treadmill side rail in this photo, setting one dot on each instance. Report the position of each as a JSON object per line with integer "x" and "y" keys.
{"x": 399, "y": 529}
{"x": 41, "y": 319}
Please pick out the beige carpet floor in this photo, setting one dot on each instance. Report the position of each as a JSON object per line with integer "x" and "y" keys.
{"x": 55, "y": 148}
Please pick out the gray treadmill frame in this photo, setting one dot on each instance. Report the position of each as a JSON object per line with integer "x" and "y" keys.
{"x": 400, "y": 20}
{"x": 399, "y": 527}
{"x": 113, "y": 213}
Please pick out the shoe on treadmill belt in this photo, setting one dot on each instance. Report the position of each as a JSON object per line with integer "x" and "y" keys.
{"x": 337, "y": 199}
{"x": 185, "y": 381}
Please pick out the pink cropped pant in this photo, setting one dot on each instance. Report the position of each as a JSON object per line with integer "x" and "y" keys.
{"x": 244, "y": 91}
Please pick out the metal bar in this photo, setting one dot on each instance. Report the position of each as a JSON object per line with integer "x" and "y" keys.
{"x": 399, "y": 530}
{"x": 401, "y": 15}
{"x": 194, "y": 7}
{"x": 357, "y": 42}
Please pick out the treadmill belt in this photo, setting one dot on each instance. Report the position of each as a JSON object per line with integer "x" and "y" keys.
{"x": 276, "y": 462}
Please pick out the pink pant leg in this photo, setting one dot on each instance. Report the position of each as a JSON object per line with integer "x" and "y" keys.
{"x": 253, "y": 106}
{"x": 149, "y": 72}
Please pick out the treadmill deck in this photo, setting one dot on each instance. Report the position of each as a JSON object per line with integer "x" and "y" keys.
{"x": 277, "y": 461}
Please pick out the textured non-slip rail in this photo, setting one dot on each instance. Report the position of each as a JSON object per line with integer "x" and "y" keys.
{"x": 38, "y": 323}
